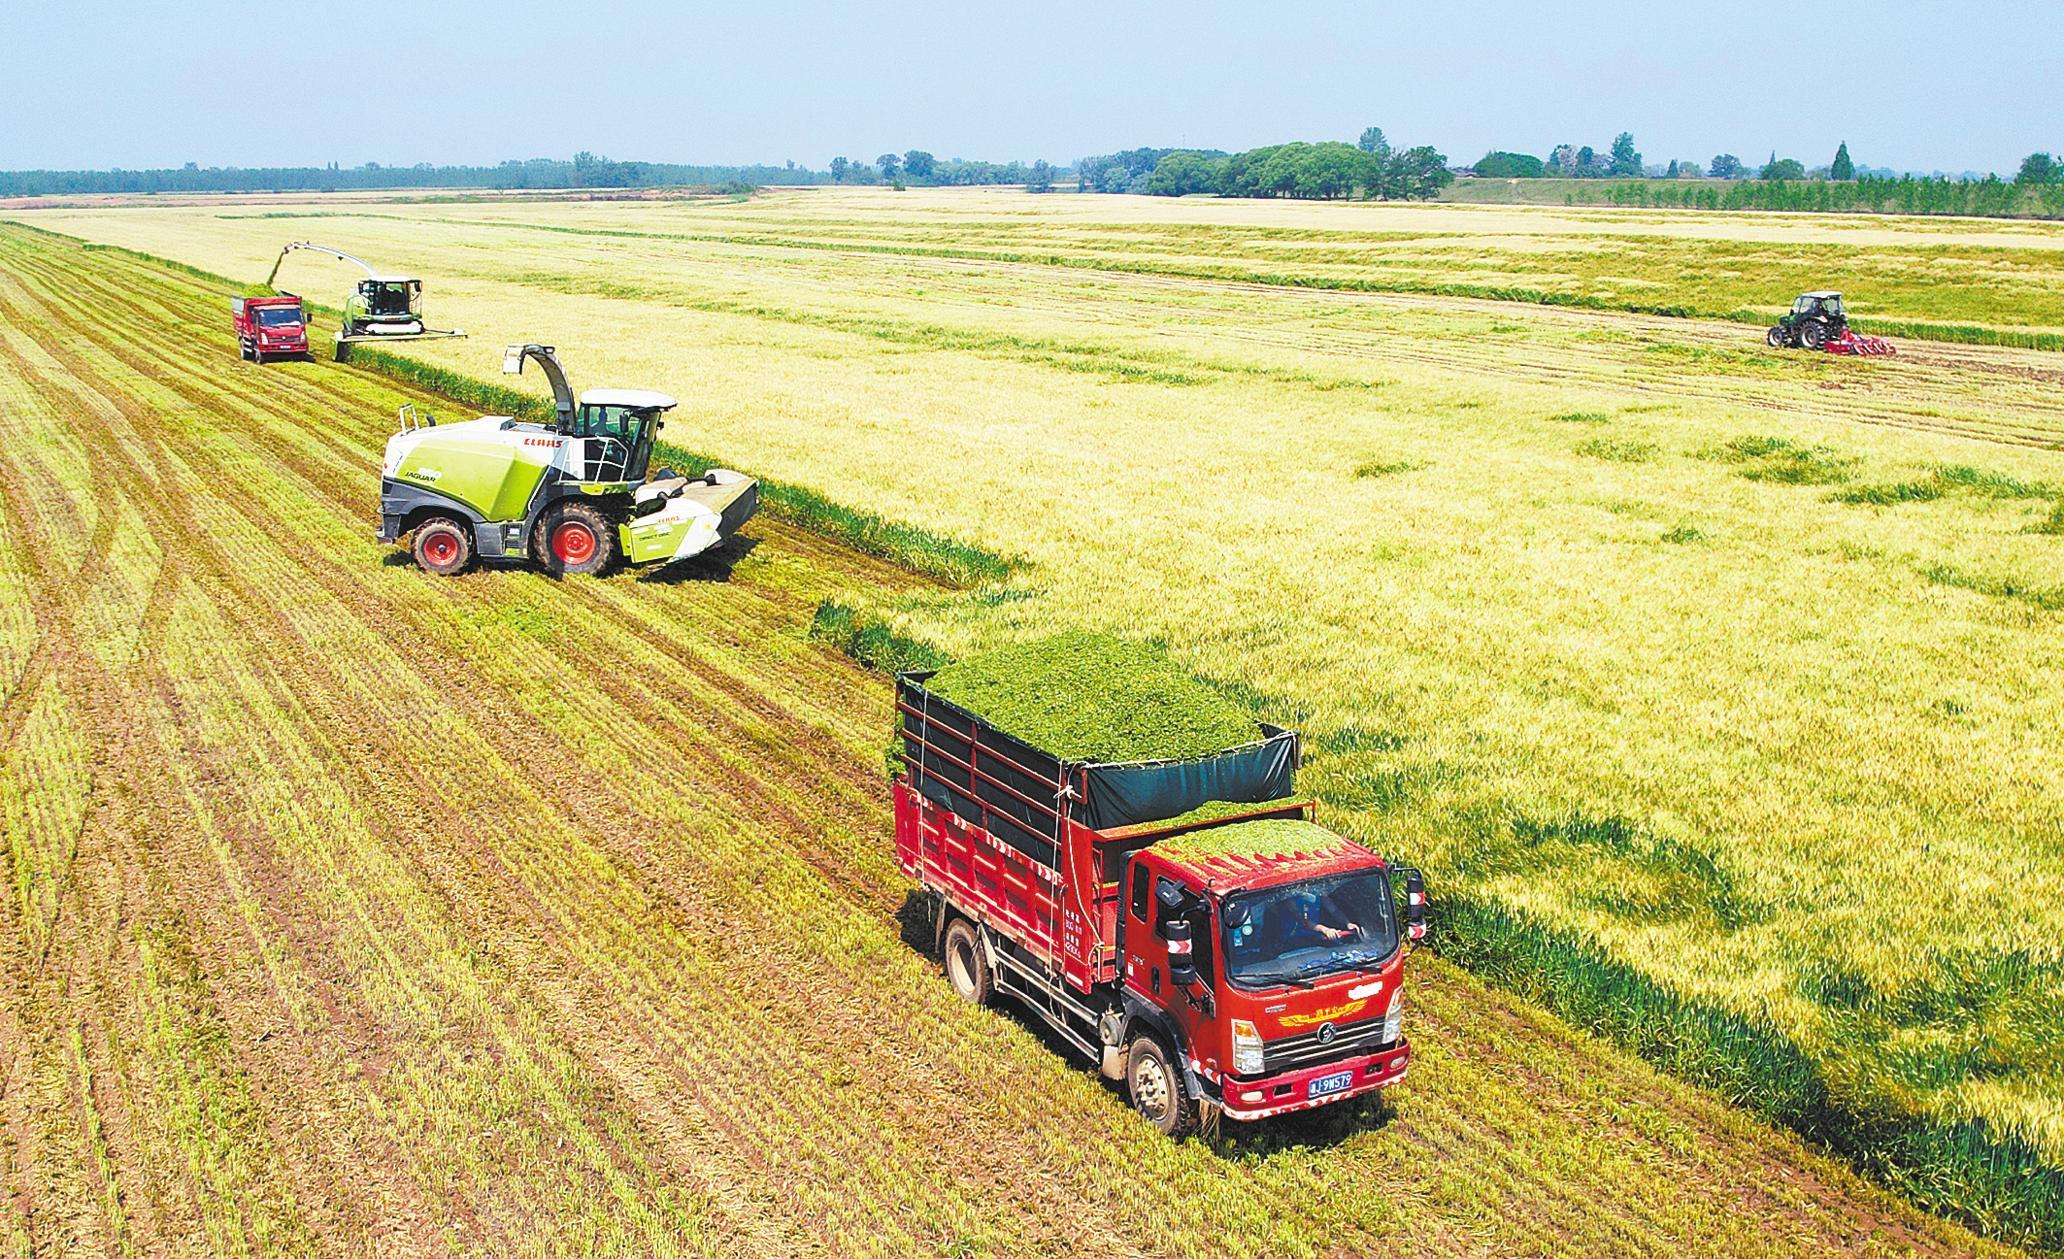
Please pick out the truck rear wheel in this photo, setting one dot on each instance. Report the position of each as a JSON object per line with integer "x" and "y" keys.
{"x": 1155, "y": 1082}
{"x": 575, "y": 538}
{"x": 442, "y": 546}
{"x": 967, "y": 966}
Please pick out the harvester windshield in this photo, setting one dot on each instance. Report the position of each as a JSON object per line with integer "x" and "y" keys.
{"x": 1299, "y": 932}
{"x": 625, "y": 450}
{"x": 388, "y": 299}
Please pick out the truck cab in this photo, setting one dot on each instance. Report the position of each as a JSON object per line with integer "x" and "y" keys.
{"x": 1276, "y": 965}
{"x": 269, "y": 326}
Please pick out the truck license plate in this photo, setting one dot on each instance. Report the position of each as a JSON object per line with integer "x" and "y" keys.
{"x": 1325, "y": 1084}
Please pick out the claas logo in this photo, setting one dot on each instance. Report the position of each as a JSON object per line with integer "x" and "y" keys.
{"x": 1327, "y": 1015}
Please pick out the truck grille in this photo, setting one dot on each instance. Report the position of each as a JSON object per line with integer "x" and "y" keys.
{"x": 1309, "y": 1050}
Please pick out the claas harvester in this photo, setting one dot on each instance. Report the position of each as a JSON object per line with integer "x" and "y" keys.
{"x": 572, "y": 495}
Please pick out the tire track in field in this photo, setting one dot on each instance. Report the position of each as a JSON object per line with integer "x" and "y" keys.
{"x": 343, "y": 593}
{"x": 169, "y": 525}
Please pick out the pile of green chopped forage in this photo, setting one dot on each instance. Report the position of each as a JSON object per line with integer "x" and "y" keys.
{"x": 1258, "y": 840}
{"x": 1093, "y": 698}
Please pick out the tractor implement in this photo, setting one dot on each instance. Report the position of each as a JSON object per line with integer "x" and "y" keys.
{"x": 573, "y": 496}
{"x": 1818, "y": 321}
{"x": 379, "y": 308}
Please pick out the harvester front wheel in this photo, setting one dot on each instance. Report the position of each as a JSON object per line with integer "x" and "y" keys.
{"x": 1775, "y": 338}
{"x": 1157, "y": 1087}
{"x": 576, "y": 539}
{"x": 967, "y": 966}
{"x": 443, "y": 546}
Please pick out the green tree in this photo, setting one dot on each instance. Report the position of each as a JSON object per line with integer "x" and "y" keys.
{"x": 1498, "y": 164}
{"x": 1626, "y": 161}
{"x": 919, "y": 164}
{"x": 1373, "y": 143}
{"x": 1725, "y": 166}
{"x": 1842, "y": 169}
{"x": 1040, "y": 179}
{"x": 1418, "y": 174}
{"x": 1587, "y": 162}
{"x": 1181, "y": 174}
{"x": 2038, "y": 168}
{"x": 1783, "y": 168}
{"x": 889, "y": 164}
{"x": 838, "y": 169}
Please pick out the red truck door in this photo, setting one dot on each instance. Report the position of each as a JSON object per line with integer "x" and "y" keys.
{"x": 1155, "y": 897}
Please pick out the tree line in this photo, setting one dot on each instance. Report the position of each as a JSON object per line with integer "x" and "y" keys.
{"x": 1322, "y": 170}
{"x": 1992, "y": 197}
{"x": 919, "y": 168}
{"x": 583, "y": 170}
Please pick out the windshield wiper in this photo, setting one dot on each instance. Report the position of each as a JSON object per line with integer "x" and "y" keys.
{"x": 1361, "y": 960}
{"x": 1272, "y": 977}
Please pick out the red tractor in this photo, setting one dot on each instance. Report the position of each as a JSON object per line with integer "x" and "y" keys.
{"x": 1818, "y": 321}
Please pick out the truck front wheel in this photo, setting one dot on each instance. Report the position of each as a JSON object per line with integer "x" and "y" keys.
{"x": 967, "y": 966}
{"x": 1158, "y": 1088}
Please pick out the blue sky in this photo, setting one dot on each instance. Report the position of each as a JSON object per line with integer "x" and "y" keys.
{"x": 1908, "y": 83}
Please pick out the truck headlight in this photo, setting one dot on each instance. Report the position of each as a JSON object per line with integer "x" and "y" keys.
{"x": 1247, "y": 1055}
{"x": 1394, "y": 1017}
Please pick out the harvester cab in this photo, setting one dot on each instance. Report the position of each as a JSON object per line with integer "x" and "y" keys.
{"x": 574, "y": 494}
{"x": 1819, "y": 321}
{"x": 378, "y": 308}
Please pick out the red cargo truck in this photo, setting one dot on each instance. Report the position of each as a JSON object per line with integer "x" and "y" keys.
{"x": 1212, "y": 956}
{"x": 267, "y": 326}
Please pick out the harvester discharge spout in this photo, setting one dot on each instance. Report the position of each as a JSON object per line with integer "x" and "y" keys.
{"x": 548, "y": 361}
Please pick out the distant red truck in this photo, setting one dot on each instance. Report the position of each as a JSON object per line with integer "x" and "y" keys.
{"x": 267, "y": 327}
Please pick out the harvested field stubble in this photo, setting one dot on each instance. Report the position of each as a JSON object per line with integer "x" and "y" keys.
{"x": 353, "y": 911}
{"x": 1840, "y": 714}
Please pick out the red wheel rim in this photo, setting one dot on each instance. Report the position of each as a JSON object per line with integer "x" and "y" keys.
{"x": 573, "y": 543}
{"x": 440, "y": 548}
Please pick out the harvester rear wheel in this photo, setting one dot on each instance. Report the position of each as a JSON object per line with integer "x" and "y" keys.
{"x": 967, "y": 967}
{"x": 576, "y": 539}
{"x": 1155, "y": 1082}
{"x": 1813, "y": 334}
{"x": 442, "y": 546}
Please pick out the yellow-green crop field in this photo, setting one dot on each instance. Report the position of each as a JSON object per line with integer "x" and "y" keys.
{"x": 1716, "y": 687}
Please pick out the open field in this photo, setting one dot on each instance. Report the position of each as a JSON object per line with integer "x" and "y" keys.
{"x": 357, "y": 912}
{"x": 1575, "y": 602}
{"x": 1718, "y": 687}
{"x": 1983, "y": 280}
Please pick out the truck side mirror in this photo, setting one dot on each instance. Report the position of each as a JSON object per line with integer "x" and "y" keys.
{"x": 1182, "y": 961}
{"x": 1415, "y": 905}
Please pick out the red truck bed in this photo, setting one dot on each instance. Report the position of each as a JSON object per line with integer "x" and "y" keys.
{"x": 1036, "y": 845}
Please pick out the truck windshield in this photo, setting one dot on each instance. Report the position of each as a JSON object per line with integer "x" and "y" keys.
{"x": 1301, "y": 932}
{"x": 278, "y": 316}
